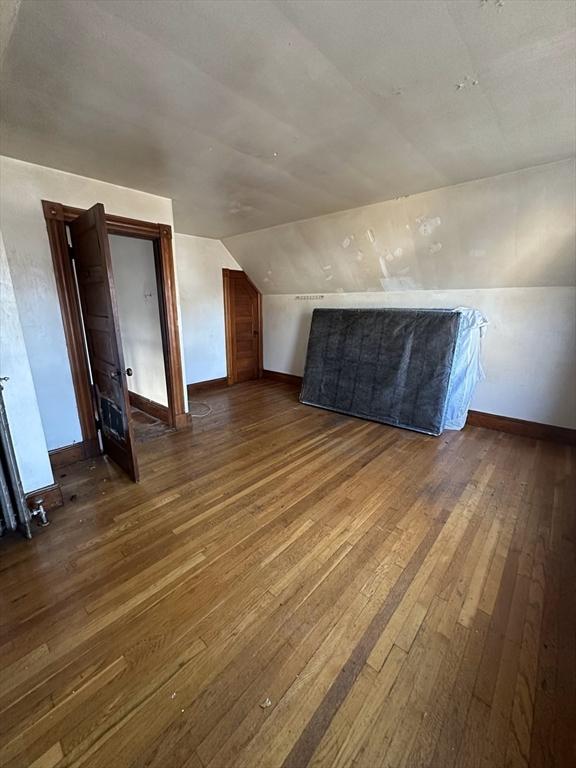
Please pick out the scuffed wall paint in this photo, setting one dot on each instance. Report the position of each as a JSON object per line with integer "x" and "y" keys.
{"x": 513, "y": 230}
{"x": 200, "y": 264}
{"x": 19, "y": 393}
{"x": 528, "y": 352}
{"x": 23, "y": 187}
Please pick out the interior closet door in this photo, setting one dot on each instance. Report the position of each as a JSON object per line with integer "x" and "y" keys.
{"x": 243, "y": 305}
{"x": 91, "y": 254}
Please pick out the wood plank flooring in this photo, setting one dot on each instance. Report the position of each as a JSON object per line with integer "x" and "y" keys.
{"x": 289, "y": 587}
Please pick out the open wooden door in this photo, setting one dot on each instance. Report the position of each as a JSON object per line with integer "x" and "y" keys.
{"x": 242, "y": 305}
{"x": 91, "y": 255}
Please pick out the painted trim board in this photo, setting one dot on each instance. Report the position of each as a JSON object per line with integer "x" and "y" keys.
{"x": 68, "y": 454}
{"x": 523, "y": 428}
{"x": 152, "y": 408}
{"x": 287, "y": 378}
{"x": 51, "y": 497}
{"x": 199, "y": 386}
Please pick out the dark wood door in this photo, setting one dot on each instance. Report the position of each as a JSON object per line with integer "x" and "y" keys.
{"x": 243, "y": 327}
{"x": 91, "y": 254}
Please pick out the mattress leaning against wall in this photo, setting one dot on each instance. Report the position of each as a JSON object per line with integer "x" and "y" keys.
{"x": 395, "y": 366}
{"x": 467, "y": 368}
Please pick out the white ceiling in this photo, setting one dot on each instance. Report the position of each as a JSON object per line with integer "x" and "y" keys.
{"x": 252, "y": 114}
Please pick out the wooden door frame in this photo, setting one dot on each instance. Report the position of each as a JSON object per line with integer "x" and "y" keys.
{"x": 57, "y": 216}
{"x": 231, "y": 375}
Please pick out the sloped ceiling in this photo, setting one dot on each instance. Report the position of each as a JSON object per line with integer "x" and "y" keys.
{"x": 253, "y": 114}
{"x": 516, "y": 230}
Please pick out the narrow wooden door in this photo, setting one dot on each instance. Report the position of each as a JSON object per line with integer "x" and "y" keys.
{"x": 91, "y": 254}
{"x": 243, "y": 327}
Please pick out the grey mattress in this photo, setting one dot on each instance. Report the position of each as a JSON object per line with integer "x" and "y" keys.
{"x": 387, "y": 365}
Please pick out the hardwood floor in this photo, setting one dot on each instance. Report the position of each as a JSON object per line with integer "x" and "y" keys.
{"x": 146, "y": 427}
{"x": 291, "y": 587}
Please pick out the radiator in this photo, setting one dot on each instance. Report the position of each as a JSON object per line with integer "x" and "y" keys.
{"x": 15, "y": 512}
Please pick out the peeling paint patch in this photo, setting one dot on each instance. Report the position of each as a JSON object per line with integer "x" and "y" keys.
{"x": 468, "y": 80}
{"x": 329, "y": 277}
{"x": 435, "y": 248}
{"x": 383, "y": 266}
{"x": 395, "y": 254}
{"x": 398, "y": 283}
{"x": 370, "y": 235}
{"x": 498, "y": 4}
{"x": 327, "y": 267}
{"x": 346, "y": 242}
{"x": 427, "y": 225}
{"x": 238, "y": 207}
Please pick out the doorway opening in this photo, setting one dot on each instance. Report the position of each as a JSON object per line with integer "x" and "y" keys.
{"x": 243, "y": 326}
{"x": 134, "y": 270}
{"x": 85, "y": 245}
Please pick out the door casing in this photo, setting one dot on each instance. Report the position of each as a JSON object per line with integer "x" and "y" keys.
{"x": 57, "y": 216}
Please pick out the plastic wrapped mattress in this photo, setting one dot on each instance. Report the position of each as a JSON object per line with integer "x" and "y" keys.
{"x": 411, "y": 368}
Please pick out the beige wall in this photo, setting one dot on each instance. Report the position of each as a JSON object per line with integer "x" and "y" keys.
{"x": 200, "y": 264}
{"x": 18, "y": 392}
{"x": 23, "y": 186}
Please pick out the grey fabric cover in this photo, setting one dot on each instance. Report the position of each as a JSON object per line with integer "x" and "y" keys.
{"x": 387, "y": 365}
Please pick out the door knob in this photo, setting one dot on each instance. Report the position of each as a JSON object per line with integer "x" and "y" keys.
{"x": 129, "y": 371}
